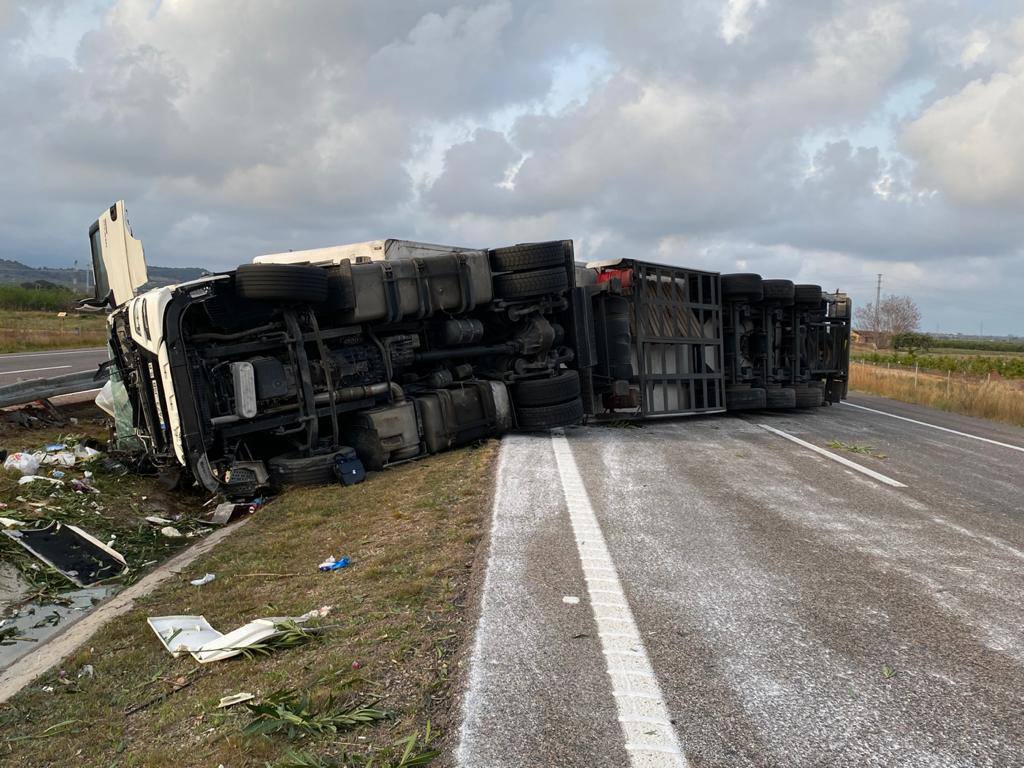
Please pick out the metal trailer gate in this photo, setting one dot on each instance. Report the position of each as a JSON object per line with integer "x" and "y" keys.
{"x": 677, "y": 330}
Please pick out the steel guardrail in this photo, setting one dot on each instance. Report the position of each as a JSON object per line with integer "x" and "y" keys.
{"x": 30, "y": 390}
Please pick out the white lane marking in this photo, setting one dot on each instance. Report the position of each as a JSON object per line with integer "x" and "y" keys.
{"x": 835, "y": 457}
{"x": 936, "y": 426}
{"x": 651, "y": 740}
{"x": 88, "y": 350}
{"x": 33, "y": 370}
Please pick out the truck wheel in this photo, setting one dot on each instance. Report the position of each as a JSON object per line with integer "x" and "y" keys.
{"x": 563, "y": 386}
{"x": 526, "y": 256}
{"x": 779, "y": 291}
{"x": 522, "y": 285}
{"x": 809, "y": 397}
{"x": 780, "y": 397}
{"x": 742, "y": 287}
{"x": 808, "y": 295}
{"x": 745, "y": 399}
{"x": 548, "y": 416}
{"x": 282, "y": 282}
{"x": 294, "y": 469}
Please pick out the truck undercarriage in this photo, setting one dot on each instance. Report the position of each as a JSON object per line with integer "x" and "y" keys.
{"x": 276, "y": 372}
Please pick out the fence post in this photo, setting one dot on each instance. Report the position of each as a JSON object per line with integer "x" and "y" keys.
{"x": 949, "y": 374}
{"x": 916, "y": 365}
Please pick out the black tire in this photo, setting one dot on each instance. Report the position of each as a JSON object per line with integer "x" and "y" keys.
{"x": 807, "y": 295}
{"x": 527, "y": 256}
{"x": 282, "y": 282}
{"x": 549, "y": 416}
{"x": 523, "y": 285}
{"x": 809, "y": 397}
{"x": 295, "y": 469}
{"x": 780, "y": 397}
{"x": 560, "y": 388}
{"x": 743, "y": 286}
{"x": 779, "y": 291}
{"x": 745, "y": 399}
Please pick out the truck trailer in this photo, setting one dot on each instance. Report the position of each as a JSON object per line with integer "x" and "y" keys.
{"x": 280, "y": 370}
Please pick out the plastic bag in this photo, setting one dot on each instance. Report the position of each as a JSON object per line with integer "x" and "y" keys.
{"x": 26, "y": 463}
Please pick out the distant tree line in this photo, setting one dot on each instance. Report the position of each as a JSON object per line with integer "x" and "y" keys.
{"x": 982, "y": 345}
{"x": 41, "y": 296}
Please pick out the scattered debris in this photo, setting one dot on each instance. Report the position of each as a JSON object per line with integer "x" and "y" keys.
{"x": 203, "y": 580}
{"x": 157, "y": 520}
{"x": 348, "y": 468}
{"x": 86, "y": 671}
{"x": 171, "y": 532}
{"x": 194, "y": 635}
{"x": 235, "y": 698}
{"x": 72, "y": 552}
{"x": 59, "y": 459}
{"x": 8, "y": 522}
{"x": 317, "y": 613}
{"x": 330, "y": 564}
{"x": 225, "y": 512}
{"x": 570, "y": 600}
{"x": 26, "y": 479}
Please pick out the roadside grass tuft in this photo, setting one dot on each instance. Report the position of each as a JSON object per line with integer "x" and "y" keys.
{"x": 398, "y": 616}
{"x": 863, "y": 450}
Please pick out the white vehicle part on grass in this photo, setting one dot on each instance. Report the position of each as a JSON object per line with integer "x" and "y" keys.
{"x": 194, "y": 635}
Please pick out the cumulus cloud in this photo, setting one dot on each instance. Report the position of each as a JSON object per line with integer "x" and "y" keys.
{"x": 726, "y": 134}
{"x": 970, "y": 145}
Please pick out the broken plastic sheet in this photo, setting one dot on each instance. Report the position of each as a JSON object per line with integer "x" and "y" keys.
{"x": 79, "y": 557}
{"x": 193, "y": 634}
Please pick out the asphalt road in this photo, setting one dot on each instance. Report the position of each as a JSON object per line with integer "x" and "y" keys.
{"x": 19, "y": 366}
{"x": 790, "y": 610}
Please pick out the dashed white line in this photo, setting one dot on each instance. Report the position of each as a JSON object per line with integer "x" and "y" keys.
{"x": 33, "y": 370}
{"x": 936, "y": 426}
{"x": 651, "y": 740}
{"x": 836, "y": 457}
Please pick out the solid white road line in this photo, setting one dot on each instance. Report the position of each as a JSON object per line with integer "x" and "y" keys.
{"x": 651, "y": 740}
{"x": 33, "y": 370}
{"x": 87, "y": 350}
{"x": 936, "y": 426}
{"x": 835, "y": 457}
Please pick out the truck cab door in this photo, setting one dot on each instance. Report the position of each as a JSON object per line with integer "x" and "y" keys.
{"x": 118, "y": 262}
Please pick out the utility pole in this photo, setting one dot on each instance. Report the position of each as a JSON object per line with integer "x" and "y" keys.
{"x": 878, "y": 301}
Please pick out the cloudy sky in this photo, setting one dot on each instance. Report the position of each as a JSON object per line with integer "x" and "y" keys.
{"x": 822, "y": 140}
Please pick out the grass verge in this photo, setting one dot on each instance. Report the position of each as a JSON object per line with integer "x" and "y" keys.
{"x": 398, "y": 615}
{"x": 995, "y": 400}
{"x": 27, "y": 331}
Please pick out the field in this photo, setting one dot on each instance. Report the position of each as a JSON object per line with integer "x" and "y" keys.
{"x": 30, "y": 330}
{"x": 1008, "y": 365}
{"x": 995, "y": 398}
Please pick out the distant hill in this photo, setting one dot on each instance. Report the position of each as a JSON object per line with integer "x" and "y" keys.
{"x": 17, "y": 273}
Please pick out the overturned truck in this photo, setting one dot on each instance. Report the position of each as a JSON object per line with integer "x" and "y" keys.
{"x": 280, "y": 371}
